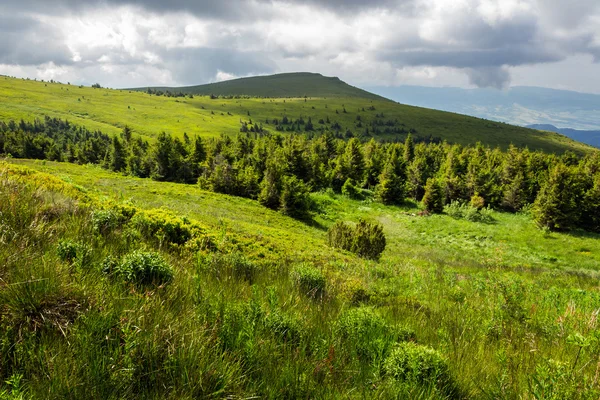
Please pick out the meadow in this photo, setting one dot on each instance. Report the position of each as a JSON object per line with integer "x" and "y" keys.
{"x": 453, "y": 308}
{"x": 148, "y": 115}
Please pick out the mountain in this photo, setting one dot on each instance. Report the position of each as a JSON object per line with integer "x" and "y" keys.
{"x": 332, "y": 106}
{"x": 589, "y": 137}
{"x": 519, "y": 105}
{"x": 299, "y": 84}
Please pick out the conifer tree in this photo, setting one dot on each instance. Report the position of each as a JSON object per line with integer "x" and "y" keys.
{"x": 555, "y": 205}
{"x": 294, "y": 200}
{"x": 391, "y": 188}
{"x": 433, "y": 197}
{"x": 270, "y": 188}
{"x": 590, "y": 215}
{"x": 409, "y": 149}
{"x": 354, "y": 161}
{"x": 117, "y": 156}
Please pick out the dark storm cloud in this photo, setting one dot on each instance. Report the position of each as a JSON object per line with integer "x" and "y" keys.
{"x": 26, "y": 41}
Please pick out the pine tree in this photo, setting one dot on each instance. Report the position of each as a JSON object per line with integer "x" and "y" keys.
{"x": 162, "y": 157}
{"x": 390, "y": 189}
{"x": 270, "y": 188}
{"x": 117, "y": 156}
{"x": 590, "y": 215}
{"x": 354, "y": 161}
{"x": 433, "y": 198}
{"x": 294, "y": 200}
{"x": 555, "y": 205}
{"x": 409, "y": 149}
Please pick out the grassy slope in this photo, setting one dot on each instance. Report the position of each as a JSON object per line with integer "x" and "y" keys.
{"x": 460, "y": 286}
{"x": 109, "y": 110}
{"x": 513, "y": 242}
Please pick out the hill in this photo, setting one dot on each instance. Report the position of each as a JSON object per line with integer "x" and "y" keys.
{"x": 299, "y": 84}
{"x": 589, "y": 137}
{"x": 260, "y": 299}
{"x": 148, "y": 115}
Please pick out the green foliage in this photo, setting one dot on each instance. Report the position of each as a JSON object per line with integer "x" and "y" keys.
{"x": 351, "y": 190}
{"x": 555, "y": 207}
{"x": 310, "y": 280}
{"x": 165, "y": 227}
{"x": 365, "y": 239}
{"x": 416, "y": 364}
{"x": 390, "y": 189}
{"x": 67, "y": 250}
{"x": 144, "y": 268}
{"x": 465, "y": 211}
{"x": 433, "y": 199}
{"x": 294, "y": 198}
{"x": 369, "y": 334}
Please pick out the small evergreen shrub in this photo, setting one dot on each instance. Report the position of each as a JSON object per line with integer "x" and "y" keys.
{"x": 433, "y": 199}
{"x": 415, "y": 364}
{"x": 144, "y": 268}
{"x": 310, "y": 280}
{"x": 366, "y": 239}
{"x": 477, "y": 201}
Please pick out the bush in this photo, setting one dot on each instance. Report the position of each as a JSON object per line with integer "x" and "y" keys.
{"x": 365, "y": 239}
{"x": 284, "y": 326}
{"x": 165, "y": 227}
{"x": 415, "y": 364}
{"x": 350, "y": 189}
{"x": 369, "y": 334}
{"x": 144, "y": 268}
{"x": 105, "y": 221}
{"x": 294, "y": 200}
{"x": 67, "y": 250}
{"x": 310, "y": 280}
{"x": 459, "y": 210}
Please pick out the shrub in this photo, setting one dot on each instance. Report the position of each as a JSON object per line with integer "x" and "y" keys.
{"x": 416, "y": 364}
{"x": 67, "y": 250}
{"x": 284, "y": 326}
{"x": 366, "y": 239}
{"x": 105, "y": 221}
{"x": 477, "y": 201}
{"x": 350, "y": 189}
{"x": 166, "y": 227}
{"x": 369, "y": 334}
{"x": 144, "y": 268}
{"x": 310, "y": 280}
{"x": 459, "y": 210}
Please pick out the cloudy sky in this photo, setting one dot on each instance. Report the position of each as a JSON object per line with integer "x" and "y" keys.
{"x": 466, "y": 43}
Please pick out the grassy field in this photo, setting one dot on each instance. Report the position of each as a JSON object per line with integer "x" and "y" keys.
{"x": 110, "y": 110}
{"x": 511, "y": 311}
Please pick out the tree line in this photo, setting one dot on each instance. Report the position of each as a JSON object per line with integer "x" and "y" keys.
{"x": 563, "y": 191}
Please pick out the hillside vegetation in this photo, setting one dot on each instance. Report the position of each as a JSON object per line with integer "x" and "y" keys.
{"x": 104, "y": 295}
{"x": 353, "y": 116}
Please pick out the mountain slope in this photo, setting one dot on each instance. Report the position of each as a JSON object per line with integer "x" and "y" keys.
{"x": 148, "y": 115}
{"x": 299, "y": 84}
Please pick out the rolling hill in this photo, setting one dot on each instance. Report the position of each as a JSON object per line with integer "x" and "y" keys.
{"x": 299, "y": 84}
{"x": 351, "y": 112}
{"x": 589, "y": 137}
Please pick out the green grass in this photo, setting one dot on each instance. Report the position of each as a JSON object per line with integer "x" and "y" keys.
{"x": 501, "y": 310}
{"x": 110, "y": 110}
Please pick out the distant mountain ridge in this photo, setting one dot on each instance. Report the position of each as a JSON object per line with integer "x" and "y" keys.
{"x": 519, "y": 105}
{"x": 296, "y": 84}
{"x": 589, "y": 137}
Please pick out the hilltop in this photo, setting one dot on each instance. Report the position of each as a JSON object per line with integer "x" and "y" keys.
{"x": 298, "y": 84}
{"x": 351, "y": 115}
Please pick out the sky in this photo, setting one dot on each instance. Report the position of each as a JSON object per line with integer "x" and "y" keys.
{"x": 463, "y": 43}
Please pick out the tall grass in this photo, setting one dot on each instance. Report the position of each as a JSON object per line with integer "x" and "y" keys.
{"x": 233, "y": 324}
